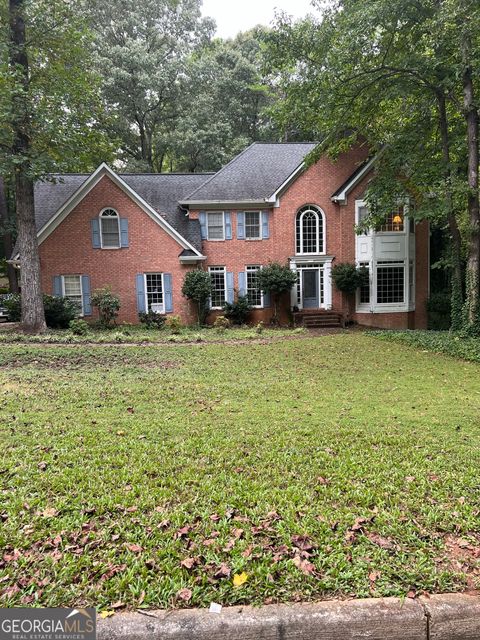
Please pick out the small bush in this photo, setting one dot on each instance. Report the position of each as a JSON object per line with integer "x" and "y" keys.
{"x": 12, "y": 303}
{"x": 108, "y": 305}
{"x": 221, "y": 323}
{"x": 175, "y": 324}
{"x": 260, "y": 328}
{"x": 347, "y": 278}
{"x": 152, "y": 320}
{"x": 239, "y": 311}
{"x": 439, "y": 311}
{"x": 59, "y": 312}
{"x": 78, "y": 327}
{"x": 197, "y": 286}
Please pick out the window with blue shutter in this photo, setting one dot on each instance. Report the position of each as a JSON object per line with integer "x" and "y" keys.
{"x": 124, "y": 232}
{"x": 230, "y": 287}
{"x": 87, "y": 303}
{"x": 167, "y": 282}
{"x": 241, "y": 225}
{"x": 228, "y": 225}
{"x": 202, "y": 216}
{"x": 265, "y": 225}
{"x": 95, "y": 226}
{"x": 140, "y": 286}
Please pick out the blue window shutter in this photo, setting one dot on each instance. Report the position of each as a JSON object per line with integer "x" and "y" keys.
{"x": 96, "y": 233}
{"x": 242, "y": 283}
{"x": 167, "y": 294}
{"x": 230, "y": 287}
{"x": 140, "y": 280}
{"x": 228, "y": 225}
{"x": 124, "y": 232}
{"x": 87, "y": 304}
{"x": 57, "y": 286}
{"x": 241, "y": 225}
{"x": 265, "y": 225}
{"x": 267, "y": 299}
{"x": 202, "y": 216}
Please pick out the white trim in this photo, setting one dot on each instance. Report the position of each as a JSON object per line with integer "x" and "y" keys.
{"x": 323, "y": 264}
{"x": 192, "y": 259}
{"x": 100, "y": 227}
{"x": 259, "y": 237}
{"x": 217, "y": 270}
{"x": 88, "y": 185}
{"x": 316, "y": 210}
{"x": 207, "y": 213}
{"x": 154, "y": 273}
{"x": 73, "y": 275}
{"x": 274, "y": 198}
{"x": 341, "y": 198}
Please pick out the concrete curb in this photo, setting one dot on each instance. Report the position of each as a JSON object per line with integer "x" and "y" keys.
{"x": 442, "y": 617}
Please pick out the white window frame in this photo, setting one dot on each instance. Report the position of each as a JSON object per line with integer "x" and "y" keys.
{"x": 73, "y": 275}
{"x": 257, "y": 267}
{"x": 207, "y": 214}
{"x": 395, "y": 306}
{"x": 318, "y": 211}
{"x": 259, "y": 237}
{"x": 154, "y": 273}
{"x": 216, "y": 269}
{"x": 100, "y": 220}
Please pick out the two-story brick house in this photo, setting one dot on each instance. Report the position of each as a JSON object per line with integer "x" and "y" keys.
{"x": 140, "y": 234}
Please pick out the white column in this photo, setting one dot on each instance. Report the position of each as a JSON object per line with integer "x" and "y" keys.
{"x": 327, "y": 285}
{"x": 293, "y": 293}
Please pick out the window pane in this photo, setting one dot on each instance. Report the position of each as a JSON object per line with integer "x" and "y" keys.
{"x": 215, "y": 226}
{"x": 254, "y": 294}
{"x": 309, "y": 230}
{"x": 72, "y": 287}
{"x": 365, "y": 288}
{"x": 394, "y": 221}
{"x": 390, "y": 284}
{"x": 217, "y": 275}
{"x": 109, "y": 228}
{"x": 252, "y": 224}
{"x": 154, "y": 288}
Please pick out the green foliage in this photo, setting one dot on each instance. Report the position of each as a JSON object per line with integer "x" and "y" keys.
{"x": 276, "y": 279}
{"x": 260, "y": 327}
{"x": 221, "y": 323}
{"x": 79, "y": 327}
{"x": 152, "y": 320}
{"x": 174, "y": 324}
{"x": 107, "y": 304}
{"x": 197, "y": 286}
{"x": 439, "y": 311}
{"x": 58, "y": 311}
{"x": 239, "y": 311}
{"x": 13, "y": 304}
{"x": 347, "y": 277}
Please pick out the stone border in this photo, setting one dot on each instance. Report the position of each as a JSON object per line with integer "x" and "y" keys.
{"x": 439, "y": 617}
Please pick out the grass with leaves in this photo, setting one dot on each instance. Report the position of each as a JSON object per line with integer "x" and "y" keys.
{"x": 168, "y": 476}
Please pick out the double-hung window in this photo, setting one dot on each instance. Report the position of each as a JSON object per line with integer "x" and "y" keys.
{"x": 254, "y": 294}
{"x": 110, "y": 229}
{"x": 215, "y": 225}
{"x": 219, "y": 286}
{"x": 253, "y": 225}
{"x": 364, "y": 291}
{"x": 154, "y": 292}
{"x": 390, "y": 282}
{"x": 72, "y": 289}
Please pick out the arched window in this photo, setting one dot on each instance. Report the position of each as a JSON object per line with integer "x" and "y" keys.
{"x": 110, "y": 229}
{"x": 310, "y": 230}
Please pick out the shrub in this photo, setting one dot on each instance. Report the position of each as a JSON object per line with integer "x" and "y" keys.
{"x": 276, "y": 279}
{"x": 260, "y": 328}
{"x": 108, "y": 305}
{"x": 439, "y": 311}
{"x": 78, "y": 327}
{"x": 197, "y": 286}
{"x": 12, "y": 303}
{"x": 59, "y": 312}
{"x": 152, "y": 320}
{"x": 237, "y": 312}
{"x": 221, "y": 323}
{"x": 347, "y": 278}
{"x": 174, "y": 323}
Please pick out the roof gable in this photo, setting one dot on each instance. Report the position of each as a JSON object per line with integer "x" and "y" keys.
{"x": 255, "y": 175}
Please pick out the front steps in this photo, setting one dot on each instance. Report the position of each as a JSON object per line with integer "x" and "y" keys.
{"x": 318, "y": 319}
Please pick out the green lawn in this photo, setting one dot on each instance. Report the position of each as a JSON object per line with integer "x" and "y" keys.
{"x": 331, "y": 466}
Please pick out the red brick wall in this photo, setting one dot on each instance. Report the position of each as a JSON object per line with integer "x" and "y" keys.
{"x": 68, "y": 251}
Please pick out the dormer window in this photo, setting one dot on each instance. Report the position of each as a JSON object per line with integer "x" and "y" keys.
{"x": 110, "y": 229}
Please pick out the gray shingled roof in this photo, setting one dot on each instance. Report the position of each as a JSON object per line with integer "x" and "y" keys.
{"x": 255, "y": 174}
{"x": 162, "y": 192}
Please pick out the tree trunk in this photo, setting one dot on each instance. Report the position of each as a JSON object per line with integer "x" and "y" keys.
{"x": 471, "y": 117}
{"x": 457, "y": 285}
{"x": 33, "y": 315}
